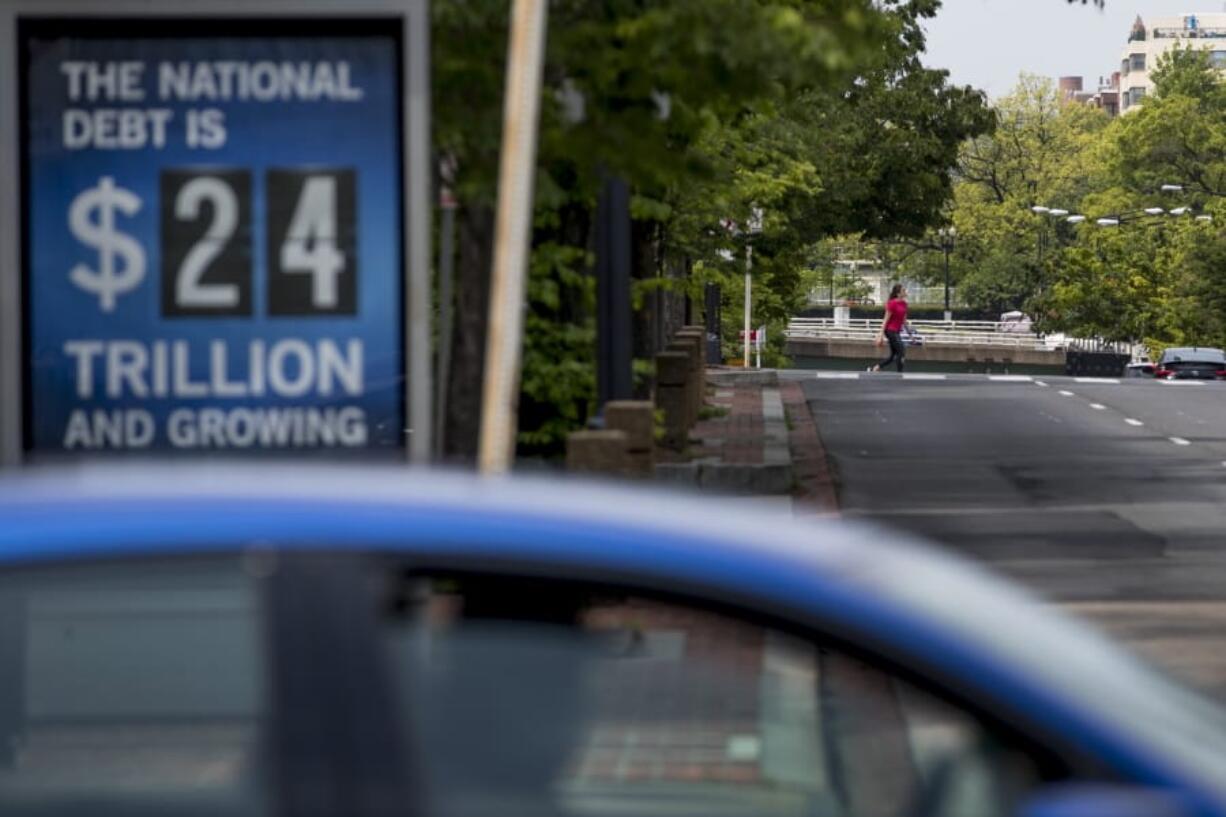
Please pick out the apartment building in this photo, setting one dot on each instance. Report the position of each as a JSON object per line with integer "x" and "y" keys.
{"x": 1148, "y": 41}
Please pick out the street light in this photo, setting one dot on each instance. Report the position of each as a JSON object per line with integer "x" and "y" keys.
{"x": 1172, "y": 188}
{"x": 1075, "y": 219}
{"x": 1108, "y": 222}
{"x": 1154, "y": 211}
{"x": 1040, "y": 209}
{"x": 947, "y": 234}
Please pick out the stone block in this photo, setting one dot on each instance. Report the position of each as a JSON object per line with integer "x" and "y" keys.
{"x": 674, "y": 401}
{"x": 598, "y": 452}
{"x": 634, "y": 417}
{"x": 673, "y": 368}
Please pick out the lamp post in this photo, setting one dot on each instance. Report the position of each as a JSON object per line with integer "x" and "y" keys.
{"x": 755, "y": 228}
{"x": 947, "y": 236}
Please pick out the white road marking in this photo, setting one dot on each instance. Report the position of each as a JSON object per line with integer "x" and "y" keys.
{"x": 1041, "y": 383}
{"x": 838, "y": 375}
{"x": 1098, "y": 407}
{"x": 1104, "y": 380}
{"x": 1180, "y": 441}
{"x": 1133, "y": 422}
{"x": 1011, "y": 378}
{"x": 1182, "y": 382}
{"x": 1066, "y": 393}
{"x": 920, "y": 376}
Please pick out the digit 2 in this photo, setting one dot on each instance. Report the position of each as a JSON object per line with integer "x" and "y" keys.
{"x": 312, "y": 251}
{"x": 206, "y": 242}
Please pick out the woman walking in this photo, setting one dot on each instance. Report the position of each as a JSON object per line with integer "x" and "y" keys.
{"x": 892, "y": 324}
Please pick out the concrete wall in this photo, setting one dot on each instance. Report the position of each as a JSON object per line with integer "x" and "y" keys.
{"x": 849, "y": 354}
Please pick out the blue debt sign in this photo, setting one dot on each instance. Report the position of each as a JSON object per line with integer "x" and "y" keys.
{"x": 213, "y": 236}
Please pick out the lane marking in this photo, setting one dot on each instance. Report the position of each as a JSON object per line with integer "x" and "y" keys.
{"x": 1182, "y": 382}
{"x": 1011, "y": 378}
{"x": 1102, "y": 380}
{"x": 1098, "y": 407}
{"x": 1041, "y": 383}
{"x": 838, "y": 375}
{"x": 1066, "y": 393}
{"x": 1180, "y": 441}
{"x": 921, "y": 376}
{"x": 1133, "y": 422}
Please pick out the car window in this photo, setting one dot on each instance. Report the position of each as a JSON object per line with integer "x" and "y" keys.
{"x": 121, "y": 683}
{"x": 541, "y": 700}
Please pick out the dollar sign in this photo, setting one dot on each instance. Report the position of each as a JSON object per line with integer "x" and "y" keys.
{"x": 106, "y": 282}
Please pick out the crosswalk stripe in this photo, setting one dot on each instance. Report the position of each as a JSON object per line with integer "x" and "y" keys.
{"x": 1011, "y": 378}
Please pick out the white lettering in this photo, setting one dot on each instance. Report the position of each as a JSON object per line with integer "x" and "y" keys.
{"x": 279, "y": 370}
{"x": 78, "y": 432}
{"x": 183, "y": 385}
{"x": 180, "y": 430}
{"x": 263, "y": 81}
{"x": 161, "y": 375}
{"x": 77, "y": 129}
{"x": 346, "y": 90}
{"x": 126, "y": 360}
{"x": 84, "y": 351}
{"x": 240, "y": 428}
{"x": 212, "y": 428}
{"x": 73, "y": 70}
{"x": 138, "y": 428}
{"x": 116, "y": 128}
{"x": 174, "y": 80}
{"x": 268, "y": 427}
{"x": 221, "y": 386}
{"x": 346, "y": 369}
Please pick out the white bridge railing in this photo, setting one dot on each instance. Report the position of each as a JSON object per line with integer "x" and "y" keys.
{"x": 936, "y": 333}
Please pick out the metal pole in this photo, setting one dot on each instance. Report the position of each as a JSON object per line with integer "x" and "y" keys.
{"x": 416, "y": 242}
{"x": 614, "y": 355}
{"x": 748, "y": 297}
{"x": 945, "y": 246}
{"x": 711, "y": 316}
{"x": 500, "y": 395}
{"x": 446, "y": 300}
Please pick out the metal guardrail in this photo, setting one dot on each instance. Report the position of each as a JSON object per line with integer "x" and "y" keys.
{"x": 949, "y": 333}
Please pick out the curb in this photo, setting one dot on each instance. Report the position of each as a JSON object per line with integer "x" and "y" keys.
{"x": 729, "y": 378}
{"x": 816, "y": 492}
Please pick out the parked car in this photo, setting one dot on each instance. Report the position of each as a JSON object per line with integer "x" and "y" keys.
{"x": 1191, "y": 363}
{"x": 1141, "y": 368}
{"x": 250, "y": 641}
{"x": 1015, "y": 322}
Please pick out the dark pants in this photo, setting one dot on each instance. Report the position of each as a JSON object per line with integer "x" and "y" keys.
{"x": 898, "y": 350}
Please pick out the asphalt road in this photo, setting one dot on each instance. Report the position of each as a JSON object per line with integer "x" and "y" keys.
{"x": 1106, "y": 497}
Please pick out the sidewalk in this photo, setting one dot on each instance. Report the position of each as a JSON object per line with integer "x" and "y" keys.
{"x": 758, "y": 438}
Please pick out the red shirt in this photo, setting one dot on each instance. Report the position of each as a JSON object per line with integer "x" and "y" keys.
{"x": 896, "y": 315}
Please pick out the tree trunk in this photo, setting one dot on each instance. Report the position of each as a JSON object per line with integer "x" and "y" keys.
{"x": 475, "y": 227}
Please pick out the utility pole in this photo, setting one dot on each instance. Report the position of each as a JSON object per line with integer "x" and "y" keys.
{"x": 512, "y": 242}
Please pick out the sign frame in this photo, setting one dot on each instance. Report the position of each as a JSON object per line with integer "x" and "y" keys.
{"x": 415, "y": 183}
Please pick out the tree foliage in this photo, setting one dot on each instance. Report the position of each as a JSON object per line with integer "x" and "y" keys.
{"x": 819, "y": 112}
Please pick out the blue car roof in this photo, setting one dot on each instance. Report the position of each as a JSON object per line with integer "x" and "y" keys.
{"x": 952, "y": 616}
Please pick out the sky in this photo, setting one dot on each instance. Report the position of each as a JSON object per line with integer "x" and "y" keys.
{"x": 987, "y": 43}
